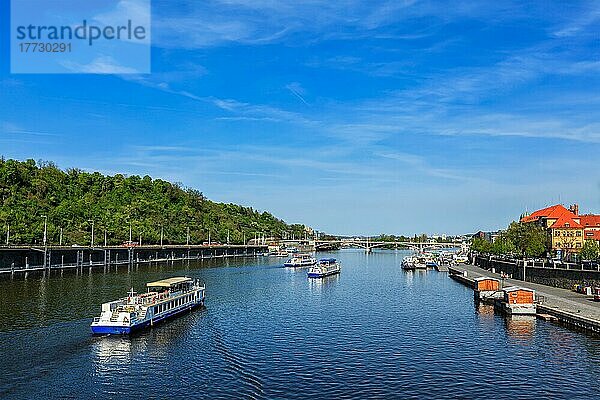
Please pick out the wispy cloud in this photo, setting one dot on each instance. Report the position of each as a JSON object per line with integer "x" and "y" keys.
{"x": 213, "y": 23}
{"x": 100, "y": 65}
{"x": 12, "y": 128}
{"x": 581, "y": 22}
{"x": 297, "y": 90}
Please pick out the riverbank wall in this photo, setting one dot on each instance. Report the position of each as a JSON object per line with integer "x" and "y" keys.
{"x": 540, "y": 272}
{"x": 573, "y": 310}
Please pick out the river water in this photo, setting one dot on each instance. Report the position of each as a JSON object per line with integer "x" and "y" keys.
{"x": 374, "y": 331}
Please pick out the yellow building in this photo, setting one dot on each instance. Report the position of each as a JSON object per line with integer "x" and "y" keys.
{"x": 563, "y": 224}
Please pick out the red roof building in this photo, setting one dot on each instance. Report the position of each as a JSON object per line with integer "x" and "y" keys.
{"x": 590, "y": 221}
{"x": 556, "y": 217}
{"x": 566, "y": 227}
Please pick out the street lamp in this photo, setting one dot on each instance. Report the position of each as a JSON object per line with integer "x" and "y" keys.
{"x": 92, "y": 241}
{"x": 188, "y": 236}
{"x": 45, "y": 241}
{"x": 161, "y": 235}
{"x": 45, "y": 228}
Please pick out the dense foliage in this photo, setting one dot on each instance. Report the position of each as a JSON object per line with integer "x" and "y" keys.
{"x": 519, "y": 239}
{"x": 72, "y": 199}
{"x": 590, "y": 250}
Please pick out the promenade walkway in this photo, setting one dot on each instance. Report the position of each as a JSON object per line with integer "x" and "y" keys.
{"x": 551, "y": 299}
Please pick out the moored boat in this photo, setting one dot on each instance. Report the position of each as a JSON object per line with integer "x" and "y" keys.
{"x": 300, "y": 260}
{"x": 163, "y": 299}
{"x": 408, "y": 263}
{"x": 517, "y": 301}
{"x": 325, "y": 267}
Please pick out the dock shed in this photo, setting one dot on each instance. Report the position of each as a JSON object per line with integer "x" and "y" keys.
{"x": 484, "y": 283}
{"x": 518, "y": 295}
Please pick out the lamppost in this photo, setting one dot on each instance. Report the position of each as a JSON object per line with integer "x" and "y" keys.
{"x": 130, "y": 231}
{"x": 45, "y": 228}
{"x": 161, "y": 235}
{"x": 45, "y": 239}
{"x": 188, "y": 236}
{"x": 92, "y": 241}
{"x": 60, "y": 237}
{"x": 7, "y": 233}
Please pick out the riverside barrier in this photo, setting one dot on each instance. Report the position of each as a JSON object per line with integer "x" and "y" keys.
{"x": 564, "y": 275}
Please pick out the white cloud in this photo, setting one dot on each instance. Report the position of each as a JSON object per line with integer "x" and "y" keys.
{"x": 100, "y": 65}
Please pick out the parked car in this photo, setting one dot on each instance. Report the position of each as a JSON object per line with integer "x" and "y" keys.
{"x": 588, "y": 264}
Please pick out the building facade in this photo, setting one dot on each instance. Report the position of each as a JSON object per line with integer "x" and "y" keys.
{"x": 564, "y": 225}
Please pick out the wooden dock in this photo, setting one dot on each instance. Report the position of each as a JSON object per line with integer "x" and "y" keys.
{"x": 441, "y": 268}
{"x": 25, "y": 260}
{"x": 553, "y": 304}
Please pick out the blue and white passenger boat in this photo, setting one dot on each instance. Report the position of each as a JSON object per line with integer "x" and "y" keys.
{"x": 300, "y": 260}
{"x": 325, "y": 267}
{"x": 164, "y": 299}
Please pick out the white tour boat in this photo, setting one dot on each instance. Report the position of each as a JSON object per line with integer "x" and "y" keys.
{"x": 164, "y": 299}
{"x": 325, "y": 267}
{"x": 300, "y": 260}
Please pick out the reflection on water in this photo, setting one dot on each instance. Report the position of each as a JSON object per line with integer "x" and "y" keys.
{"x": 373, "y": 331}
{"x": 520, "y": 326}
{"x": 111, "y": 354}
{"x": 318, "y": 285}
{"x": 484, "y": 311}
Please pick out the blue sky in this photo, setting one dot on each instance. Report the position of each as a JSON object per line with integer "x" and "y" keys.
{"x": 351, "y": 117}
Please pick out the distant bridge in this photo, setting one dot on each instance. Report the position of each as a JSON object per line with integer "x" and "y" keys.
{"x": 369, "y": 245}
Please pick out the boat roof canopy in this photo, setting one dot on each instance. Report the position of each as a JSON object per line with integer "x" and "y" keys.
{"x": 328, "y": 259}
{"x": 169, "y": 282}
{"x": 515, "y": 288}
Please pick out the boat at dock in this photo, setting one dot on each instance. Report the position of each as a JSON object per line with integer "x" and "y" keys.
{"x": 517, "y": 301}
{"x": 487, "y": 290}
{"x": 408, "y": 263}
{"x": 325, "y": 267}
{"x": 164, "y": 299}
{"x": 417, "y": 261}
{"x": 300, "y": 260}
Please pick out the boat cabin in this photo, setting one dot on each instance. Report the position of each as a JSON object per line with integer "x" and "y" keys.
{"x": 171, "y": 284}
{"x": 518, "y": 295}
{"x": 486, "y": 284}
{"x": 327, "y": 261}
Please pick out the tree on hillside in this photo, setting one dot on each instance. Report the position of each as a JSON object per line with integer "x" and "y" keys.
{"x": 590, "y": 250}
{"x": 72, "y": 199}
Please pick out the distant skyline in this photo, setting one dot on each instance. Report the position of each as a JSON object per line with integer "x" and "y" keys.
{"x": 396, "y": 117}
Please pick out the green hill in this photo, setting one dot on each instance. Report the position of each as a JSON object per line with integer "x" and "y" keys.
{"x": 71, "y": 199}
